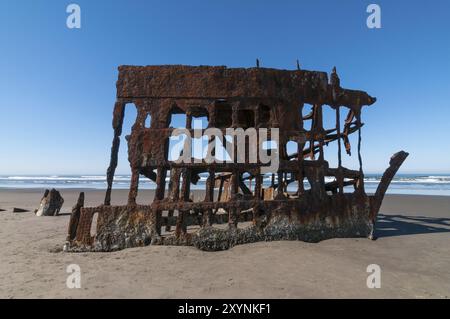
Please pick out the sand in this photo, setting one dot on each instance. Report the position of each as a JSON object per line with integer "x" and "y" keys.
{"x": 413, "y": 251}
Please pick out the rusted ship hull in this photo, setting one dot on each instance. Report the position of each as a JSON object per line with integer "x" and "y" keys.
{"x": 122, "y": 227}
{"x": 237, "y": 207}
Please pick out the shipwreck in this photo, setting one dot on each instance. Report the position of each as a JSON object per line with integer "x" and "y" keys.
{"x": 304, "y": 199}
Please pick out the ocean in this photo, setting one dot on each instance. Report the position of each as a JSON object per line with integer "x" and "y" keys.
{"x": 418, "y": 184}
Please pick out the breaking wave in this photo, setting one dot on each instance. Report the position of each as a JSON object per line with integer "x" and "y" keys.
{"x": 402, "y": 184}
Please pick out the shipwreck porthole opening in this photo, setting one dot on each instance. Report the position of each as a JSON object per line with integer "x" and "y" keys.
{"x": 291, "y": 185}
{"x": 306, "y": 184}
{"x": 177, "y": 118}
{"x": 148, "y": 120}
{"x": 130, "y": 118}
{"x": 291, "y": 149}
{"x": 307, "y": 113}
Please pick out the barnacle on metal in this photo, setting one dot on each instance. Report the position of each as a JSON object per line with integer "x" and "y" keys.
{"x": 238, "y": 207}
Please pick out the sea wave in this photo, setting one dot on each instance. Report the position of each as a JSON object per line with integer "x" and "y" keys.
{"x": 203, "y": 177}
{"x": 402, "y": 183}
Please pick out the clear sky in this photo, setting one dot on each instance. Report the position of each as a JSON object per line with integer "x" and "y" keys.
{"x": 58, "y": 84}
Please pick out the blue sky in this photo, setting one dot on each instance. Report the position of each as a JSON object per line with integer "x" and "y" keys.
{"x": 58, "y": 84}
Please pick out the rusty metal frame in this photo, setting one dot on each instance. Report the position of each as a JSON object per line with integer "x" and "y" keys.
{"x": 236, "y": 97}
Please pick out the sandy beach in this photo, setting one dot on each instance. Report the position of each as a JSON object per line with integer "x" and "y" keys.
{"x": 413, "y": 251}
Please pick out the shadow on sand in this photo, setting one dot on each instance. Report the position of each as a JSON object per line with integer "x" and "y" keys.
{"x": 398, "y": 225}
{"x": 64, "y": 214}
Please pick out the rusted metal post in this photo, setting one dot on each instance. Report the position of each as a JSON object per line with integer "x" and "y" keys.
{"x": 339, "y": 177}
{"x": 174, "y": 191}
{"x": 181, "y": 227}
{"x": 209, "y": 197}
{"x": 134, "y": 185}
{"x": 232, "y": 214}
{"x": 118, "y": 114}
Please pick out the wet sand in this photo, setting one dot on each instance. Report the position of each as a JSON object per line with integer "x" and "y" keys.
{"x": 413, "y": 251}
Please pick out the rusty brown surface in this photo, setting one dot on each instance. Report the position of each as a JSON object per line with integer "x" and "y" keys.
{"x": 237, "y": 207}
{"x": 75, "y": 217}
